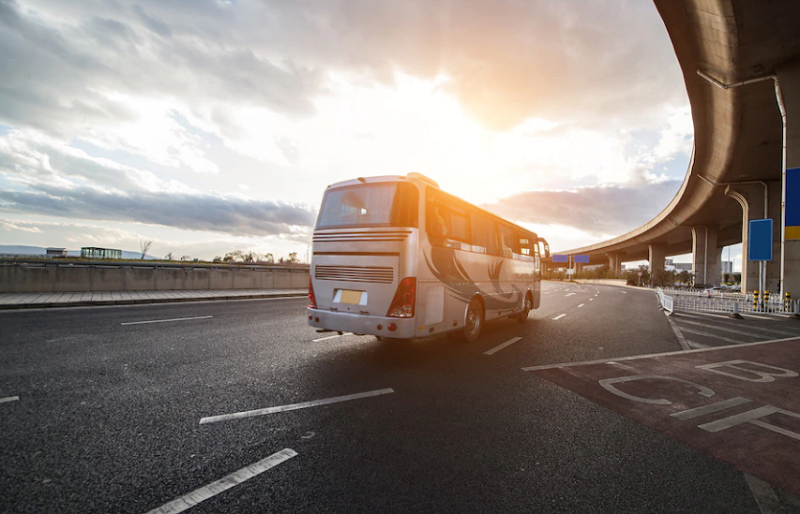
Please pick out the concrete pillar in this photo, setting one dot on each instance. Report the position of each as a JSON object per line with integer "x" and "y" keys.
{"x": 789, "y": 77}
{"x": 706, "y": 255}
{"x": 614, "y": 264}
{"x": 751, "y": 197}
{"x": 657, "y": 257}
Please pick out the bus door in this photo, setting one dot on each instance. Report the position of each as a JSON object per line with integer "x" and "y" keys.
{"x": 537, "y": 276}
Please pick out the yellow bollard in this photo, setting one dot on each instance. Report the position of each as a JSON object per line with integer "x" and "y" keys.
{"x": 755, "y": 300}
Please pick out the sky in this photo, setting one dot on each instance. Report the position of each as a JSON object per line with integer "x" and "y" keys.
{"x": 211, "y": 126}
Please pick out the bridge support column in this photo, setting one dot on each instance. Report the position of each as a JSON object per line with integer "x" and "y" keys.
{"x": 657, "y": 257}
{"x": 789, "y": 77}
{"x": 614, "y": 264}
{"x": 752, "y": 197}
{"x": 706, "y": 255}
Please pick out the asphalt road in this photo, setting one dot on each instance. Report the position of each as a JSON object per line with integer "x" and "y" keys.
{"x": 108, "y": 414}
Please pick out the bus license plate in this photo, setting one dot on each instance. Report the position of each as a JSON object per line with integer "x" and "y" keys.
{"x": 351, "y": 297}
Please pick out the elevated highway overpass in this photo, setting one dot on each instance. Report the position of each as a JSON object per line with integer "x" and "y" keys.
{"x": 739, "y": 158}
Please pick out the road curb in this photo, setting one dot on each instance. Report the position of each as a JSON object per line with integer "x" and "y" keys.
{"x": 51, "y": 305}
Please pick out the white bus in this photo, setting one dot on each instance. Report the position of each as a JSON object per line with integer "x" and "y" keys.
{"x": 399, "y": 258}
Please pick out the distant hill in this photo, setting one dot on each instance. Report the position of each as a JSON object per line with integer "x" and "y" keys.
{"x": 41, "y": 250}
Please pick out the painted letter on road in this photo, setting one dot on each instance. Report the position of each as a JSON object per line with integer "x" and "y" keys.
{"x": 606, "y": 384}
{"x": 747, "y": 373}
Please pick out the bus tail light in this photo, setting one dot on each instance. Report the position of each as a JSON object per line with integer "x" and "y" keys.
{"x": 312, "y": 301}
{"x": 403, "y": 303}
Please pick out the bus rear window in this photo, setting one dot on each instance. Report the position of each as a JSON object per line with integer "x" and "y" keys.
{"x": 387, "y": 204}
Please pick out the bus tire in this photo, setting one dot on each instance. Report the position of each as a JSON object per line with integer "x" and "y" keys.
{"x": 473, "y": 322}
{"x": 522, "y": 317}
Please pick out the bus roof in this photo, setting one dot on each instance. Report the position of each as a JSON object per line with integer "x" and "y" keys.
{"x": 418, "y": 177}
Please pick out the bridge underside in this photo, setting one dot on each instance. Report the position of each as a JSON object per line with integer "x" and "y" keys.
{"x": 737, "y": 165}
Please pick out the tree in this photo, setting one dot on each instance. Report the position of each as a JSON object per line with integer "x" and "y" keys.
{"x": 684, "y": 277}
{"x": 269, "y": 258}
{"x": 145, "y": 247}
{"x": 169, "y": 256}
{"x": 726, "y": 277}
{"x": 217, "y": 259}
{"x": 293, "y": 258}
{"x": 185, "y": 258}
{"x": 234, "y": 256}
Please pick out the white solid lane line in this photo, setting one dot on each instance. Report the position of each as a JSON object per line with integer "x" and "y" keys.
{"x": 331, "y": 337}
{"x": 214, "y": 488}
{"x": 581, "y": 305}
{"x": 294, "y": 406}
{"x": 498, "y": 348}
{"x": 164, "y": 320}
{"x": 559, "y": 317}
{"x": 9, "y": 399}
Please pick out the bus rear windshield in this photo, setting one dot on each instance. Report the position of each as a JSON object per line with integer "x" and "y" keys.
{"x": 370, "y": 205}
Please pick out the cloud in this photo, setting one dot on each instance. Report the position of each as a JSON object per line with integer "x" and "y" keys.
{"x": 506, "y": 60}
{"x": 191, "y": 212}
{"x": 22, "y": 226}
{"x": 598, "y": 211}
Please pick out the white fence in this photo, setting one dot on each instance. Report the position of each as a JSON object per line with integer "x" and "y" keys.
{"x": 725, "y": 303}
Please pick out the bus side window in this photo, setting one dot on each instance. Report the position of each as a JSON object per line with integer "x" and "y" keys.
{"x": 435, "y": 223}
{"x": 446, "y": 223}
{"x": 483, "y": 233}
{"x": 508, "y": 243}
{"x": 525, "y": 245}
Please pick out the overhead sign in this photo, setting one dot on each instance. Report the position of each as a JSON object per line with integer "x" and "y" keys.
{"x": 793, "y": 203}
{"x": 560, "y": 258}
{"x": 582, "y": 259}
{"x": 759, "y": 246}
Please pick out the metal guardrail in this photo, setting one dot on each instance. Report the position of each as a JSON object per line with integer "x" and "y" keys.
{"x": 66, "y": 263}
{"x": 667, "y": 302}
{"x": 731, "y": 304}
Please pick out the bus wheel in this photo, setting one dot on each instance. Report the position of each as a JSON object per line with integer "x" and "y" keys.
{"x": 522, "y": 317}
{"x": 473, "y": 324}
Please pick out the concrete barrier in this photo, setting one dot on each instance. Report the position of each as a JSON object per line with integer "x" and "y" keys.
{"x": 17, "y": 278}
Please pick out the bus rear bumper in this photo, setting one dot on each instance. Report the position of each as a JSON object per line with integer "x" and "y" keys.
{"x": 362, "y": 324}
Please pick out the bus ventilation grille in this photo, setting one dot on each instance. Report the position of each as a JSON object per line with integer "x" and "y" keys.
{"x": 375, "y": 274}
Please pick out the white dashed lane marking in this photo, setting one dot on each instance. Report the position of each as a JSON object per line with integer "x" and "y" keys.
{"x": 570, "y": 294}
{"x": 9, "y": 399}
{"x": 559, "y": 317}
{"x": 500, "y": 347}
{"x": 294, "y": 406}
{"x": 165, "y": 320}
{"x": 581, "y": 305}
{"x": 204, "y": 493}
{"x": 331, "y": 337}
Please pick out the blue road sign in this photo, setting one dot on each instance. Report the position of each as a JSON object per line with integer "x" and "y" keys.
{"x": 583, "y": 259}
{"x": 560, "y": 258}
{"x": 793, "y": 203}
{"x": 760, "y": 240}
